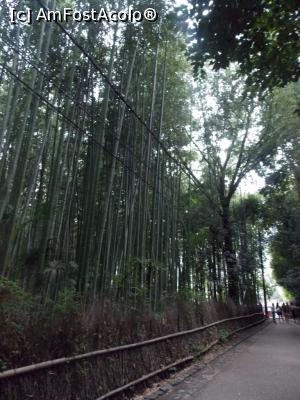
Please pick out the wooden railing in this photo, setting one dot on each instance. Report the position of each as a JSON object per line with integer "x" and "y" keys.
{"x": 13, "y": 374}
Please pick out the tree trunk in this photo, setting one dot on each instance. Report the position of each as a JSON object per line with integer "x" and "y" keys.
{"x": 229, "y": 254}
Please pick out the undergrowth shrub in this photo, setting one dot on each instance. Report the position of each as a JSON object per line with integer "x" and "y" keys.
{"x": 32, "y": 331}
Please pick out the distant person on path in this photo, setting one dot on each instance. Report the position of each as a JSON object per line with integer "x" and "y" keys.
{"x": 288, "y": 310}
{"x": 284, "y": 312}
{"x": 293, "y": 312}
{"x": 279, "y": 312}
{"x": 273, "y": 313}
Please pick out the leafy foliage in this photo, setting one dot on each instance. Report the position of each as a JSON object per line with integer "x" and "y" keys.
{"x": 285, "y": 245}
{"x": 282, "y": 190}
{"x": 261, "y": 36}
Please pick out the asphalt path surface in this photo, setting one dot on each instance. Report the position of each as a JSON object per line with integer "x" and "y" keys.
{"x": 264, "y": 367}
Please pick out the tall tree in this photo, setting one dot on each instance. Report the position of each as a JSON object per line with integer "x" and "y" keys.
{"x": 232, "y": 143}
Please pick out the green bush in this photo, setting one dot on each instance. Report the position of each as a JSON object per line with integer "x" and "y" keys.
{"x": 223, "y": 335}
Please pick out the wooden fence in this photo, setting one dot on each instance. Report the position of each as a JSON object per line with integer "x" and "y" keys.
{"x": 108, "y": 372}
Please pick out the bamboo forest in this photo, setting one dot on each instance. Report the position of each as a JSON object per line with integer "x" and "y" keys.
{"x": 149, "y": 181}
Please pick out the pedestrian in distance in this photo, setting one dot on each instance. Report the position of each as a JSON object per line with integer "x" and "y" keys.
{"x": 273, "y": 313}
{"x": 293, "y": 313}
{"x": 288, "y": 310}
{"x": 284, "y": 312}
{"x": 279, "y": 312}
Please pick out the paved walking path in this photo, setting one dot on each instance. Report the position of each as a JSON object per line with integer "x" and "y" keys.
{"x": 264, "y": 367}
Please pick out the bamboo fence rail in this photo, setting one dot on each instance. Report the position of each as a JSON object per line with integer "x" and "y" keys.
{"x": 105, "y": 352}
